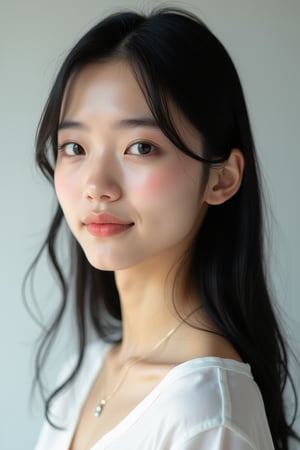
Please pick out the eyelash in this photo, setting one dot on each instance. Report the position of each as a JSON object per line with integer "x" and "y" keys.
{"x": 62, "y": 149}
{"x": 143, "y": 143}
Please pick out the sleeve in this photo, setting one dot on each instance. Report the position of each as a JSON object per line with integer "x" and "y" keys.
{"x": 217, "y": 438}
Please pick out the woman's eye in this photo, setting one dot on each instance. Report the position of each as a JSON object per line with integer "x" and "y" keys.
{"x": 72, "y": 149}
{"x": 141, "y": 148}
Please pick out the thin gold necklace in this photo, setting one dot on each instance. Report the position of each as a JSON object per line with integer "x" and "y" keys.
{"x": 100, "y": 406}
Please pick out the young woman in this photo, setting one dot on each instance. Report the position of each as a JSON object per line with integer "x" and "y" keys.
{"x": 147, "y": 138}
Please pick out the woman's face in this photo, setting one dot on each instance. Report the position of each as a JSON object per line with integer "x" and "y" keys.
{"x": 128, "y": 195}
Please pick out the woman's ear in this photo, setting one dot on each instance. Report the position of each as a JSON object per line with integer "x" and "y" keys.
{"x": 225, "y": 180}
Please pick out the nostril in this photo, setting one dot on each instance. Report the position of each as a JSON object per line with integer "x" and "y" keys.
{"x": 91, "y": 192}
{"x": 102, "y": 188}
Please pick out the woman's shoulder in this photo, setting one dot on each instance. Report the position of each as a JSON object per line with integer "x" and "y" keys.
{"x": 221, "y": 386}
{"x": 212, "y": 381}
{"x": 212, "y": 394}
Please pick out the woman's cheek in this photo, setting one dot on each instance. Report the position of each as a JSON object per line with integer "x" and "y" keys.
{"x": 155, "y": 185}
{"x": 59, "y": 184}
{"x": 64, "y": 187}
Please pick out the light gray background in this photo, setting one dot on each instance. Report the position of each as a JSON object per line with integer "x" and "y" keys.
{"x": 263, "y": 37}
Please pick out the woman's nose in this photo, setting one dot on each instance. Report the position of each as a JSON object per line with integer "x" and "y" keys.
{"x": 102, "y": 184}
{"x": 95, "y": 193}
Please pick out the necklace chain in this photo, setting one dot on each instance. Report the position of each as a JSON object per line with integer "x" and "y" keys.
{"x": 100, "y": 406}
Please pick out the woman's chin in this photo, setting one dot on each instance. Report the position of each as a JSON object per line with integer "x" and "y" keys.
{"x": 106, "y": 263}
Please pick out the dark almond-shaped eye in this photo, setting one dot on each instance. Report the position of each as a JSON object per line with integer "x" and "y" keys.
{"x": 141, "y": 149}
{"x": 71, "y": 149}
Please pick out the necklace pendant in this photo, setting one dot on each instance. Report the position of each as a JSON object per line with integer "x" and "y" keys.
{"x": 99, "y": 408}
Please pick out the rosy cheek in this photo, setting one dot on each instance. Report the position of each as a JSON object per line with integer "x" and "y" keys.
{"x": 63, "y": 187}
{"x": 154, "y": 185}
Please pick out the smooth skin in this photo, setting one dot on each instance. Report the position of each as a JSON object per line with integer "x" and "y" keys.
{"x": 114, "y": 159}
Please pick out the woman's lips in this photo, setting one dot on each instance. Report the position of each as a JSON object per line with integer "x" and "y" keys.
{"x": 105, "y": 224}
{"x": 107, "y": 229}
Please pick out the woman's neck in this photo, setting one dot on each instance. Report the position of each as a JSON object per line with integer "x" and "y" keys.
{"x": 148, "y": 298}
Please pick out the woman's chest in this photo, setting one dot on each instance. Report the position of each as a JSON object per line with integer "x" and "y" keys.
{"x": 119, "y": 405}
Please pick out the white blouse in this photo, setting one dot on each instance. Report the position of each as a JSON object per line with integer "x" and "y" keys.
{"x": 205, "y": 403}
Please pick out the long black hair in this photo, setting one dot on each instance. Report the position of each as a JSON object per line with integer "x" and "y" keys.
{"x": 174, "y": 56}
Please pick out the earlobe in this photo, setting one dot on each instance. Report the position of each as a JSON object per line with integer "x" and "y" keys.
{"x": 225, "y": 180}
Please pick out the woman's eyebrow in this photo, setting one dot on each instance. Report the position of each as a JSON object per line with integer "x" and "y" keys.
{"x": 73, "y": 124}
{"x": 136, "y": 122}
{"x": 124, "y": 123}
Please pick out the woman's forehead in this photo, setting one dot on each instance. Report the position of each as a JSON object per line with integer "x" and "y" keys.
{"x": 105, "y": 86}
